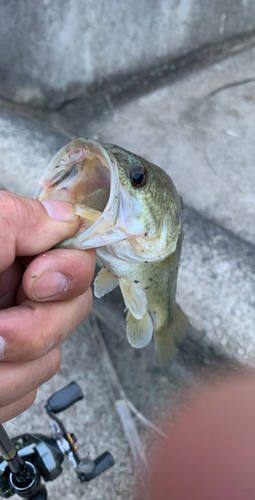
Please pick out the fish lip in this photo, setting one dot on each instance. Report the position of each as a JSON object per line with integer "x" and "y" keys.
{"x": 110, "y": 213}
{"x": 109, "y": 216}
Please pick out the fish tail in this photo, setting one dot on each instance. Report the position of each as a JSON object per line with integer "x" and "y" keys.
{"x": 166, "y": 337}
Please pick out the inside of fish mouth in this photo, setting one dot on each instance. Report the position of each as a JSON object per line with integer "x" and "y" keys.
{"x": 87, "y": 184}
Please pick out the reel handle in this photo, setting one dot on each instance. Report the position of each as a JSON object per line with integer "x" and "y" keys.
{"x": 62, "y": 399}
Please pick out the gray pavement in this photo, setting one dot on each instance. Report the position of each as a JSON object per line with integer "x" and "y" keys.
{"x": 207, "y": 146}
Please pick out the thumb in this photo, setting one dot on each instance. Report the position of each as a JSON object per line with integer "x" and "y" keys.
{"x": 29, "y": 227}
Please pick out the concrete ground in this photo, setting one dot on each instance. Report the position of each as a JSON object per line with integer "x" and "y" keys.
{"x": 200, "y": 129}
{"x": 54, "y": 52}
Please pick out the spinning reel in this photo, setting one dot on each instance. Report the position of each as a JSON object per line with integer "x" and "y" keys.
{"x": 27, "y": 458}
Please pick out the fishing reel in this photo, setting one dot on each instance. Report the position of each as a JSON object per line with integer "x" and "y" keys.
{"x": 27, "y": 458}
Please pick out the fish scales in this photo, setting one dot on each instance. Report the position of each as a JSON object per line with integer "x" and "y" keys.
{"x": 131, "y": 214}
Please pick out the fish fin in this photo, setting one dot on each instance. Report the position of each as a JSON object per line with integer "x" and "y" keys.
{"x": 134, "y": 297}
{"x": 166, "y": 337}
{"x": 139, "y": 331}
{"x": 105, "y": 282}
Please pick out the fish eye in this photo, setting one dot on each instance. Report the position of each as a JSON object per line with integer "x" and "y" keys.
{"x": 138, "y": 175}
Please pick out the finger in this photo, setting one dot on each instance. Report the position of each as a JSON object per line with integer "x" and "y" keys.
{"x": 18, "y": 407}
{"x": 9, "y": 281}
{"x": 59, "y": 275}
{"x": 19, "y": 379}
{"x": 27, "y": 228}
{"x": 209, "y": 453}
{"x": 32, "y": 329}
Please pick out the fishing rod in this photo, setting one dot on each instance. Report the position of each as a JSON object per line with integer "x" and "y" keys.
{"x": 26, "y": 459}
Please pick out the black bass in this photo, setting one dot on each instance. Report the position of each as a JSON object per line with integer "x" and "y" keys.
{"x": 132, "y": 214}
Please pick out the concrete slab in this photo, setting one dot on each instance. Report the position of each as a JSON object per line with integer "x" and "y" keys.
{"x": 55, "y": 51}
{"x": 200, "y": 130}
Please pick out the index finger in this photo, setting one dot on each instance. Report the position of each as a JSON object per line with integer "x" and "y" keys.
{"x": 29, "y": 227}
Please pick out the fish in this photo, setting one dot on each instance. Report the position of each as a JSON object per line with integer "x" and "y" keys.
{"x": 131, "y": 213}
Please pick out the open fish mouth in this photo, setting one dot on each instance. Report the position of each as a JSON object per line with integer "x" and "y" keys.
{"x": 85, "y": 174}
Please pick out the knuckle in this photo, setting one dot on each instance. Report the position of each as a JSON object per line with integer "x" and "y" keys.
{"x": 53, "y": 360}
{"x": 30, "y": 398}
{"x": 5, "y": 199}
{"x": 15, "y": 211}
{"x": 17, "y": 208}
{"x": 9, "y": 203}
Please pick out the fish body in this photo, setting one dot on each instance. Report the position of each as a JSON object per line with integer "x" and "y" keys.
{"x": 131, "y": 213}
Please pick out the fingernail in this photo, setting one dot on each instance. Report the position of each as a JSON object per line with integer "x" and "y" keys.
{"x": 2, "y": 347}
{"x": 60, "y": 210}
{"x": 48, "y": 285}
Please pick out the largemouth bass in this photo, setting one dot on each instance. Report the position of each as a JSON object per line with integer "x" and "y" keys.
{"x": 131, "y": 214}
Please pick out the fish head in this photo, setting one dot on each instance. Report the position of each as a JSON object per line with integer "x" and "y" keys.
{"x": 150, "y": 211}
{"x": 126, "y": 204}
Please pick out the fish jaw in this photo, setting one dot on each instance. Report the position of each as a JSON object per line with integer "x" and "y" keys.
{"x": 70, "y": 175}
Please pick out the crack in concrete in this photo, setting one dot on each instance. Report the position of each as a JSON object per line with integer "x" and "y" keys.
{"x": 229, "y": 86}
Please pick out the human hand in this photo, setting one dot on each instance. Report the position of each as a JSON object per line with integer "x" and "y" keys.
{"x": 40, "y": 304}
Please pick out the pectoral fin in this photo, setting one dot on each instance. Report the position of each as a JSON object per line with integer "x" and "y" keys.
{"x": 139, "y": 331}
{"x": 134, "y": 297}
{"x": 105, "y": 282}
